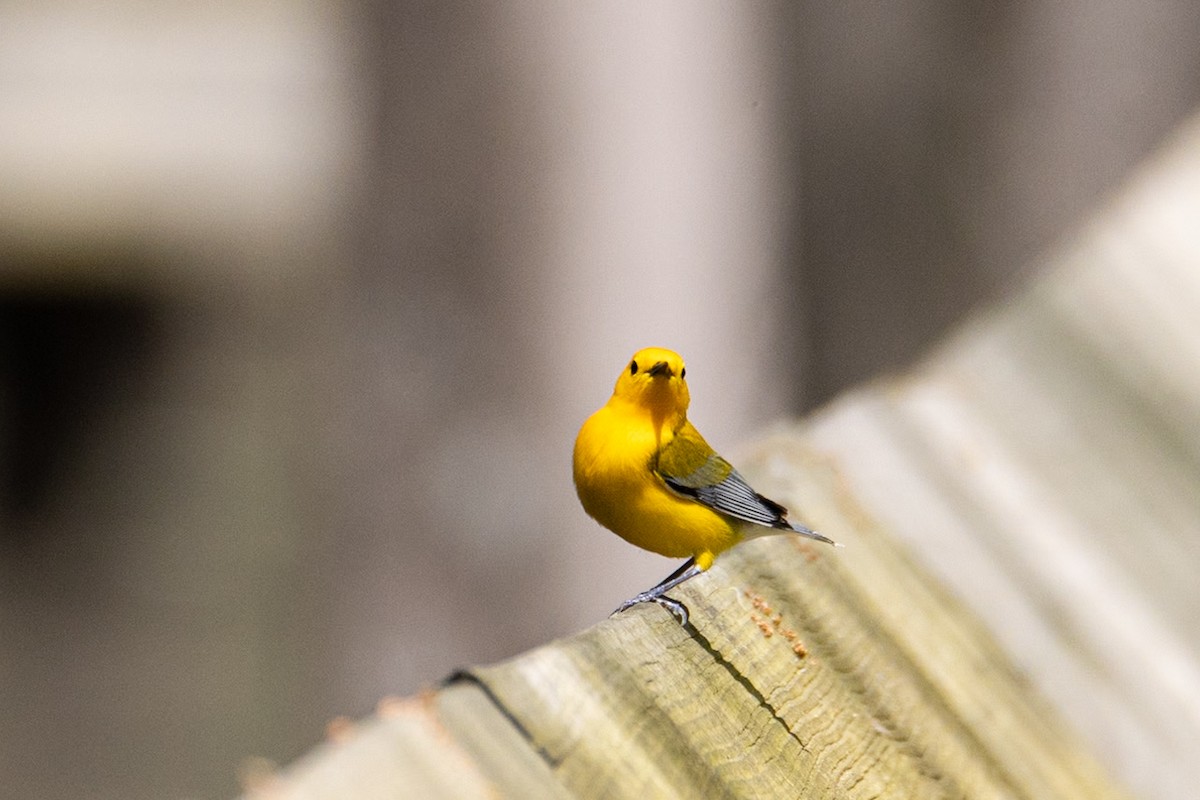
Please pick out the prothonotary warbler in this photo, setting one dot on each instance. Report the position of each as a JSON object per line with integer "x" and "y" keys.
{"x": 644, "y": 472}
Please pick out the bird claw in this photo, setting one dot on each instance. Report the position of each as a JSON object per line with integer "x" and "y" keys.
{"x": 676, "y": 609}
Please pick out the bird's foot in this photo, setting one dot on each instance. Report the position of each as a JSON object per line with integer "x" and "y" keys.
{"x": 677, "y": 609}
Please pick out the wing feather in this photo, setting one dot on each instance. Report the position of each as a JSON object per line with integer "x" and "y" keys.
{"x": 690, "y": 467}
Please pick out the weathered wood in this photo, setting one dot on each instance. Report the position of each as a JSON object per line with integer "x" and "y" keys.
{"x": 808, "y": 672}
{"x": 455, "y": 743}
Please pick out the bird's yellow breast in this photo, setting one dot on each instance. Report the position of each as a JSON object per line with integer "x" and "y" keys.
{"x": 613, "y": 466}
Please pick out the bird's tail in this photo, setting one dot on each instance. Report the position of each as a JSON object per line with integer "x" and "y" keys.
{"x": 804, "y": 530}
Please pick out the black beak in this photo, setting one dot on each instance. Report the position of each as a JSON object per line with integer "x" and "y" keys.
{"x": 660, "y": 368}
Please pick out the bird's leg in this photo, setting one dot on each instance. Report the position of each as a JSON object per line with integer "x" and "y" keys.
{"x": 686, "y": 571}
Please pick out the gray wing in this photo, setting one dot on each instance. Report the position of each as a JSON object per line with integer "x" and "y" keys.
{"x": 719, "y": 486}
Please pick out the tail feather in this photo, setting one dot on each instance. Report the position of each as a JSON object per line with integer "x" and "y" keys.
{"x": 804, "y": 530}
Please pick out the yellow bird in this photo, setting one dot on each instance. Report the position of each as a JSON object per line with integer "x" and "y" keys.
{"x": 644, "y": 472}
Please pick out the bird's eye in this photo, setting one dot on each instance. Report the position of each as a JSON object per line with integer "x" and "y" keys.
{"x": 633, "y": 368}
{"x": 683, "y": 372}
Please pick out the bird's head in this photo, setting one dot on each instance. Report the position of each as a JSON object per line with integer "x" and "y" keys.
{"x": 654, "y": 379}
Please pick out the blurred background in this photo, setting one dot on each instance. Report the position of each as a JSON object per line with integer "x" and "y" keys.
{"x": 301, "y": 306}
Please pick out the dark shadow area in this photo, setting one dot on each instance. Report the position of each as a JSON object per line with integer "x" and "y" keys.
{"x": 65, "y": 357}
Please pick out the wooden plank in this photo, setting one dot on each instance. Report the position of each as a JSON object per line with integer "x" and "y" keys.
{"x": 808, "y": 672}
{"x": 453, "y": 744}
{"x": 499, "y": 747}
{"x": 403, "y": 752}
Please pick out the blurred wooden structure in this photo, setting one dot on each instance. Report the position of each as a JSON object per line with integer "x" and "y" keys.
{"x": 1015, "y": 604}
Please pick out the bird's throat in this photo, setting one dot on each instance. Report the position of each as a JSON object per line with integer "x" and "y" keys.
{"x": 660, "y": 411}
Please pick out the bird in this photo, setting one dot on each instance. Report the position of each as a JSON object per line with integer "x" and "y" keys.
{"x": 643, "y": 471}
